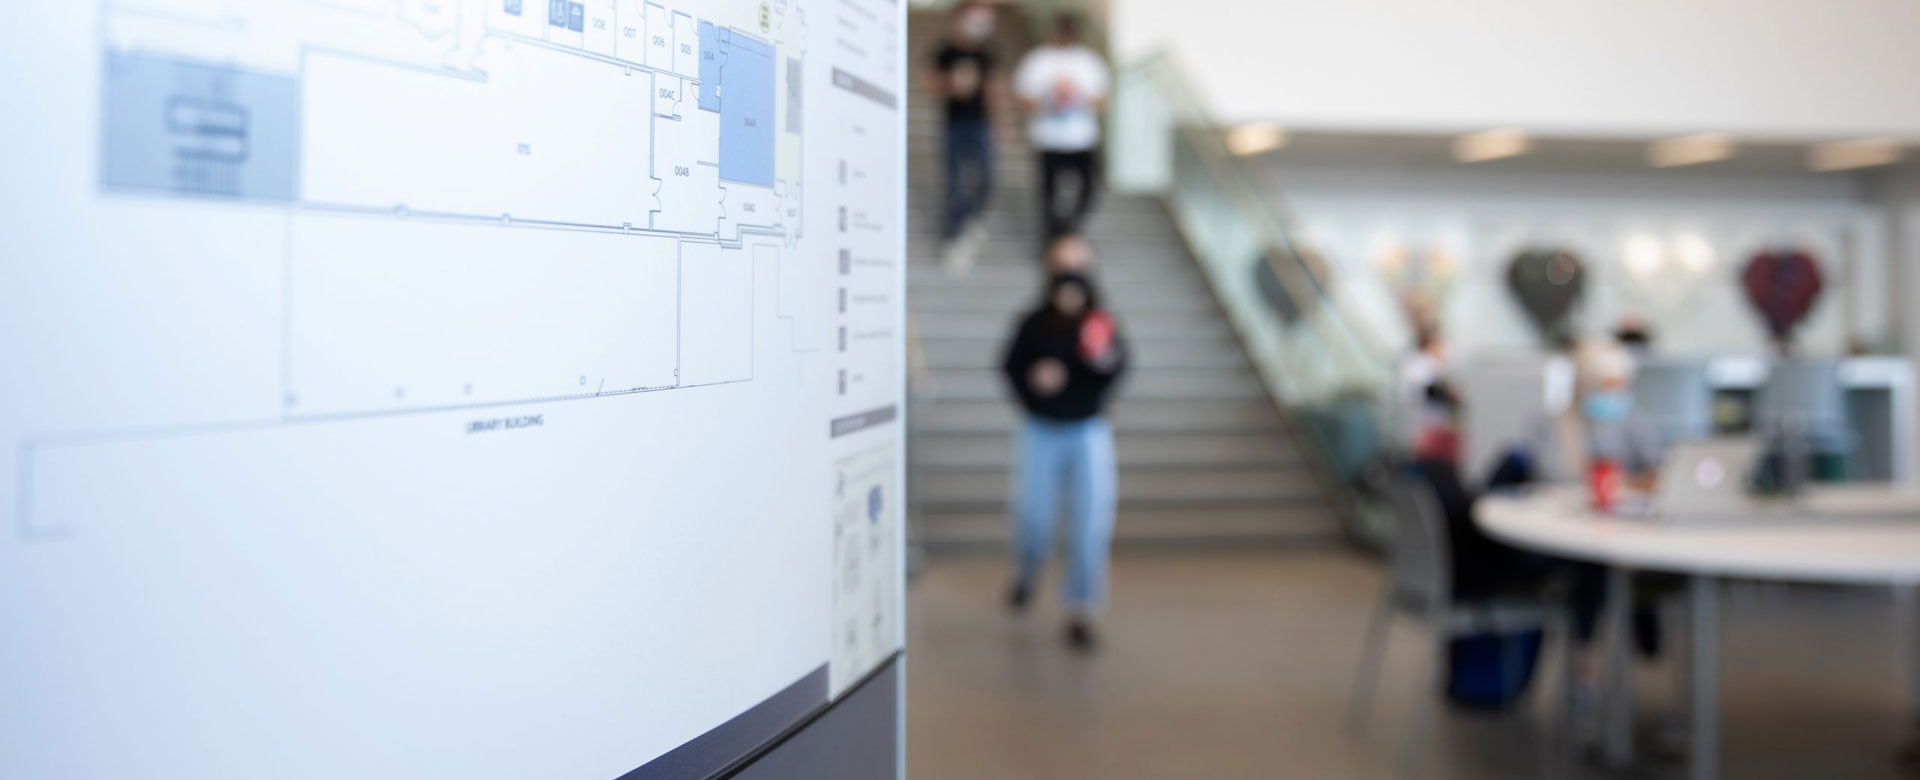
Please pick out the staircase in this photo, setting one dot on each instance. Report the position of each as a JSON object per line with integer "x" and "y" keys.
{"x": 1204, "y": 456}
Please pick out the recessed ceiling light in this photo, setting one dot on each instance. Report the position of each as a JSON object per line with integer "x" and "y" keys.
{"x": 1856, "y": 153}
{"x": 1491, "y": 145}
{"x": 1255, "y": 138}
{"x": 1695, "y": 149}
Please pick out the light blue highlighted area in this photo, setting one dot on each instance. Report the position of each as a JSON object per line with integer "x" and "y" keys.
{"x": 736, "y": 80}
{"x": 710, "y": 59}
{"x": 185, "y": 127}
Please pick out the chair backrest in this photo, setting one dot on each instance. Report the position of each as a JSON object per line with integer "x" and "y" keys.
{"x": 1421, "y": 566}
{"x": 1675, "y": 396}
{"x": 1807, "y": 395}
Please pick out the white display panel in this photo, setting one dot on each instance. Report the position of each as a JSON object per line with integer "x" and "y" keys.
{"x": 442, "y": 388}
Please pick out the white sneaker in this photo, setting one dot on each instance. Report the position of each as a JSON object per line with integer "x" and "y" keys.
{"x": 971, "y": 242}
{"x": 976, "y": 234}
{"x": 956, "y": 257}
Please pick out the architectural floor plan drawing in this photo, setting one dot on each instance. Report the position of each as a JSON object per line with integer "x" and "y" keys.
{"x": 474, "y": 117}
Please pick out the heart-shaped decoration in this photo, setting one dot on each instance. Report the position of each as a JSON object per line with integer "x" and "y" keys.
{"x": 1547, "y": 282}
{"x": 1783, "y": 285}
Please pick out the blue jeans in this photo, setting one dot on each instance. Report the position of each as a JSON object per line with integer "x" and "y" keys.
{"x": 1072, "y": 461}
{"x": 969, "y": 171}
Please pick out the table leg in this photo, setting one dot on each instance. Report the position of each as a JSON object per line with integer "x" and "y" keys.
{"x": 1619, "y": 698}
{"x": 1907, "y": 617}
{"x": 1705, "y": 677}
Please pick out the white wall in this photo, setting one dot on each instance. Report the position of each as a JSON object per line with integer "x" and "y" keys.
{"x": 1788, "y": 69}
{"x": 1483, "y": 218}
{"x": 1899, "y": 195}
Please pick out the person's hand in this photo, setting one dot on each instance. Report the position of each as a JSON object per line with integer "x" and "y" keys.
{"x": 1047, "y": 377}
{"x": 1066, "y": 94}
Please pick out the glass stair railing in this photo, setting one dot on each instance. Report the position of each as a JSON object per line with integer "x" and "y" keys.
{"x": 1326, "y": 371}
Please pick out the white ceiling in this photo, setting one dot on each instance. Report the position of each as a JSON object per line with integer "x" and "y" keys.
{"x": 1795, "y": 70}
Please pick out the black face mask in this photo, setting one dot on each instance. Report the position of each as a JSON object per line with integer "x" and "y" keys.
{"x": 1061, "y": 281}
{"x": 1053, "y": 316}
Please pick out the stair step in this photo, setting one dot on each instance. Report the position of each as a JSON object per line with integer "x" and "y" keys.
{"x": 1020, "y": 266}
{"x": 1165, "y": 322}
{"x": 1005, "y": 275}
{"x": 1139, "y": 488}
{"x": 975, "y": 384}
{"x": 1018, "y": 214}
{"x": 994, "y": 451}
{"x": 951, "y": 325}
{"x": 1150, "y": 351}
{"x": 960, "y": 298}
{"x": 1023, "y": 251}
{"x": 992, "y": 530}
{"x": 993, "y": 292}
{"x": 1019, "y": 288}
{"x": 929, "y": 190}
{"x": 1129, "y": 416}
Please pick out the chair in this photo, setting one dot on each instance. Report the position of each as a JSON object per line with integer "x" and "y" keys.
{"x": 1677, "y": 397}
{"x": 1803, "y": 410}
{"x": 1419, "y": 586}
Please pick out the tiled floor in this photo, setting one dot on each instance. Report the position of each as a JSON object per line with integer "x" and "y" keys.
{"x": 1238, "y": 665}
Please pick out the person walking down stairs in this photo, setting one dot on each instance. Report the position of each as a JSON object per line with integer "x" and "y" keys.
{"x": 964, "y": 74}
{"x": 1062, "y": 365}
{"x": 1063, "y": 86}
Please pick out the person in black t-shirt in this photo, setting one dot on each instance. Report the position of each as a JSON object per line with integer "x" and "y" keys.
{"x": 1062, "y": 365}
{"x": 964, "y": 75}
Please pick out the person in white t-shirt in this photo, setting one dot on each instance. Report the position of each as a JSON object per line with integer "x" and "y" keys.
{"x": 1063, "y": 87}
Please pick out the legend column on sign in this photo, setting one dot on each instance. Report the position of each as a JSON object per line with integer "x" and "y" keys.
{"x": 865, "y": 342}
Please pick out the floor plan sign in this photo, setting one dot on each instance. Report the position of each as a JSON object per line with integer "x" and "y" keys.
{"x": 482, "y": 376}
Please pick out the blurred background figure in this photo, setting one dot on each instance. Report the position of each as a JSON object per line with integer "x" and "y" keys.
{"x": 1062, "y": 364}
{"x": 1601, "y": 427}
{"x": 1636, "y": 335}
{"x": 1069, "y": 253}
{"x": 966, "y": 76}
{"x": 1602, "y": 437}
{"x": 1063, "y": 85}
{"x": 1425, "y": 400}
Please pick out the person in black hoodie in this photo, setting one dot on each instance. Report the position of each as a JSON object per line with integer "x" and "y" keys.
{"x": 1062, "y": 365}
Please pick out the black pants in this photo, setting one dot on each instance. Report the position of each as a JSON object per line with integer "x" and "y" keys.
{"x": 1055, "y": 219}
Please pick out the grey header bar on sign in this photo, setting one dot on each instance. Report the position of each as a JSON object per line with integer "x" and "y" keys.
{"x": 864, "y": 420}
{"x": 864, "y": 88}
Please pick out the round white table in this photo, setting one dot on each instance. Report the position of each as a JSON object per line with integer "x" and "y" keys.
{"x": 1860, "y": 536}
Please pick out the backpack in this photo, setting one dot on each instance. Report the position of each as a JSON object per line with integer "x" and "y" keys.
{"x": 1490, "y": 670}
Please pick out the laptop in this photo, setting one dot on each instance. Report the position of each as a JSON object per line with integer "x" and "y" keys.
{"x": 1706, "y": 482}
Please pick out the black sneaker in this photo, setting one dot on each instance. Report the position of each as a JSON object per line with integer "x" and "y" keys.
{"x": 1019, "y": 596}
{"x": 1080, "y": 636}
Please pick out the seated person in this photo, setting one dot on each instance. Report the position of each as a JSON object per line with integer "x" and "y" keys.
{"x": 1602, "y": 423}
{"x": 1482, "y": 567}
